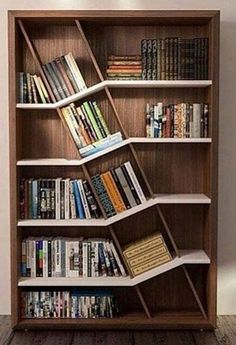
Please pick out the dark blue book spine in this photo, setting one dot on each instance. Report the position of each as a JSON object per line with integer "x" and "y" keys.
{"x": 78, "y": 201}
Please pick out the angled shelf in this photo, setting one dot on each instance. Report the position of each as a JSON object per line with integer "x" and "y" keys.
{"x": 159, "y": 199}
{"x": 190, "y": 257}
{"x": 117, "y": 84}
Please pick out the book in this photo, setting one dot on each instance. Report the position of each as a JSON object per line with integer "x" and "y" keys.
{"x": 151, "y": 264}
{"x": 135, "y": 182}
{"x": 127, "y": 66}
{"x": 124, "y": 184}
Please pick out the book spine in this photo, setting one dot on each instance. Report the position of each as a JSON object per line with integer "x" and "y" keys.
{"x": 135, "y": 182}
{"x": 22, "y": 199}
{"x": 69, "y": 74}
{"x": 148, "y": 256}
{"x": 119, "y": 186}
{"x": 144, "y": 59}
{"x": 142, "y": 247}
{"x": 51, "y": 83}
{"x": 98, "y": 119}
{"x": 92, "y": 132}
{"x": 34, "y": 199}
{"x": 113, "y": 192}
{"x": 21, "y": 87}
{"x": 103, "y": 196}
{"x": 163, "y": 59}
{"x": 54, "y": 75}
{"x": 149, "y": 59}
{"x": 154, "y": 59}
{"x": 79, "y": 206}
{"x": 130, "y": 184}
{"x": 34, "y": 92}
{"x": 67, "y": 198}
{"x": 40, "y": 92}
{"x": 29, "y": 88}
{"x": 125, "y": 186}
{"x": 72, "y": 202}
{"x": 196, "y": 120}
{"x": 94, "y": 210}
{"x": 117, "y": 258}
{"x": 92, "y": 120}
{"x": 60, "y": 78}
{"x": 71, "y": 127}
{"x": 83, "y": 199}
{"x": 44, "y": 90}
{"x": 49, "y": 258}
{"x": 102, "y": 259}
{"x": 75, "y": 72}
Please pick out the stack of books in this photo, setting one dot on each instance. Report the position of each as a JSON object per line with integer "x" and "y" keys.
{"x": 89, "y": 128}
{"x": 182, "y": 120}
{"x": 146, "y": 254}
{"x": 64, "y": 76}
{"x": 118, "y": 189}
{"x": 70, "y": 257}
{"x": 32, "y": 89}
{"x": 174, "y": 58}
{"x": 124, "y": 67}
{"x": 57, "y": 199}
{"x": 68, "y": 304}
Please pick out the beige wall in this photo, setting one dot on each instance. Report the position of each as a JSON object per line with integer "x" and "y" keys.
{"x": 227, "y": 176}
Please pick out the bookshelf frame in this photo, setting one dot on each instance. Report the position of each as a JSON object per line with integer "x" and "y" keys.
{"x": 189, "y": 22}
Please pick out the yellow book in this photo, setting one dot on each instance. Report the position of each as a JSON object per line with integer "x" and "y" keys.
{"x": 143, "y": 246}
{"x": 147, "y": 256}
{"x": 151, "y": 264}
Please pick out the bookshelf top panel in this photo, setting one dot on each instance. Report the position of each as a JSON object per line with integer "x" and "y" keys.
{"x": 137, "y": 17}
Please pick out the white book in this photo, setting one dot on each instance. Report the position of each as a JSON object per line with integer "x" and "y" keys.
{"x": 75, "y": 71}
{"x": 117, "y": 258}
{"x": 33, "y": 258}
{"x": 45, "y": 258}
{"x": 71, "y": 127}
{"x": 58, "y": 199}
{"x": 72, "y": 202}
{"x": 116, "y": 137}
{"x": 76, "y": 259}
{"x": 125, "y": 186}
{"x": 196, "y": 120}
{"x": 67, "y": 259}
{"x": 27, "y": 256}
{"x": 96, "y": 259}
{"x": 38, "y": 86}
{"x": 135, "y": 182}
{"x": 84, "y": 199}
{"x": 112, "y": 259}
{"x": 57, "y": 258}
{"x": 67, "y": 198}
{"x": 85, "y": 259}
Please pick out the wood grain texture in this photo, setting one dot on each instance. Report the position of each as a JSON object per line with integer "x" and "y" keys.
{"x": 5, "y": 329}
{"x": 165, "y": 168}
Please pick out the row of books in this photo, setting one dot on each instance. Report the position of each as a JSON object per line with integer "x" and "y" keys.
{"x": 146, "y": 254}
{"x": 57, "y": 199}
{"x": 118, "y": 189}
{"x": 174, "y": 58}
{"x": 68, "y": 304}
{"x": 88, "y": 128}
{"x": 70, "y": 257}
{"x": 182, "y": 120}
{"x": 64, "y": 76}
{"x": 32, "y": 89}
{"x": 124, "y": 67}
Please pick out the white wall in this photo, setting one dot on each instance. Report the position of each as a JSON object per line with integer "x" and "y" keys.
{"x": 227, "y": 177}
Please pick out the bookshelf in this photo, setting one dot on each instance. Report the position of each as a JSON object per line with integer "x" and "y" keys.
{"x": 178, "y": 175}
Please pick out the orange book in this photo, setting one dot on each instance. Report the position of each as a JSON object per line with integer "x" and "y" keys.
{"x": 113, "y": 192}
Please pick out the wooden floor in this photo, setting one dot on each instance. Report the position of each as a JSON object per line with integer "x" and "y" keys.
{"x": 225, "y": 334}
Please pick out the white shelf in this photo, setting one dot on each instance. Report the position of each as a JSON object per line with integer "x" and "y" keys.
{"x": 157, "y": 83}
{"x": 186, "y": 257}
{"x": 136, "y": 140}
{"x": 77, "y": 162}
{"x": 182, "y": 199}
{"x": 118, "y": 84}
{"x": 159, "y": 199}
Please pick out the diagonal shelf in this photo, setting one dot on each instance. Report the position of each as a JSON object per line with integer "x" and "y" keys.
{"x": 186, "y": 257}
{"x": 117, "y": 84}
{"x": 134, "y": 140}
{"x": 159, "y": 199}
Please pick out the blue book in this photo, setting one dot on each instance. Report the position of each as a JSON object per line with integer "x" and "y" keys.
{"x": 78, "y": 201}
{"x": 34, "y": 206}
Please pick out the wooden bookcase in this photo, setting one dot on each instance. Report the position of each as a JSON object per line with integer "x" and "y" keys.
{"x": 178, "y": 175}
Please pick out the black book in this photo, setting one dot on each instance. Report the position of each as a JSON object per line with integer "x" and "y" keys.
{"x": 39, "y": 182}
{"x": 159, "y": 59}
{"x": 154, "y": 59}
{"x": 69, "y": 74}
{"x": 96, "y": 117}
{"x": 144, "y": 59}
{"x": 93, "y": 207}
{"x": 130, "y": 183}
{"x": 149, "y": 59}
{"x": 167, "y": 59}
{"x": 121, "y": 190}
{"x": 59, "y": 76}
{"x": 103, "y": 196}
{"x": 49, "y": 258}
{"x": 56, "y": 80}
{"x": 53, "y": 199}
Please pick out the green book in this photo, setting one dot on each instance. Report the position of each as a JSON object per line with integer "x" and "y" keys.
{"x": 101, "y": 118}
{"x": 92, "y": 120}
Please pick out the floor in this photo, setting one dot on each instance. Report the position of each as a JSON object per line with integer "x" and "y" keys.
{"x": 225, "y": 334}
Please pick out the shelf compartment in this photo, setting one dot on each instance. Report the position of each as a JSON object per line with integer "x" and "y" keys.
{"x": 189, "y": 257}
{"x": 170, "y": 320}
{"x": 118, "y": 84}
{"x": 77, "y": 162}
{"x": 159, "y": 199}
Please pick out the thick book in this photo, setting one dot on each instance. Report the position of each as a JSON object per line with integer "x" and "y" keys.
{"x": 103, "y": 196}
{"x": 151, "y": 264}
{"x": 113, "y": 192}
